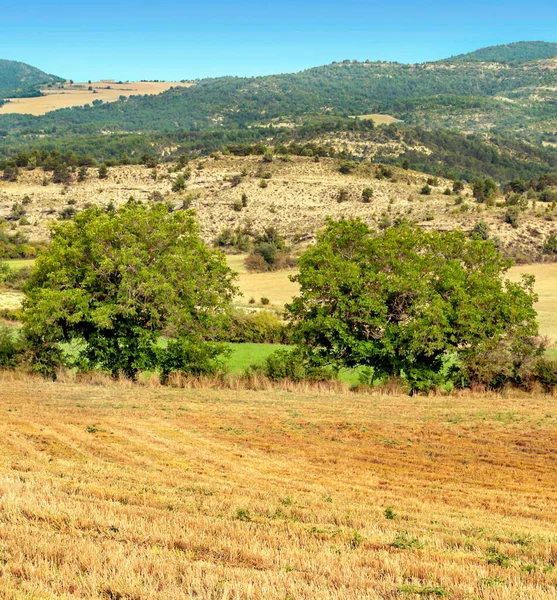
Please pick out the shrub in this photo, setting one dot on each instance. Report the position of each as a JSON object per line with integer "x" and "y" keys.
{"x": 265, "y": 301}
{"x": 67, "y": 213}
{"x": 342, "y": 195}
{"x": 11, "y": 348}
{"x": 256, "y": 263}
{"x": 17, "y": 211}
{"x": 11, "y": 173}
{"x": 261, "y": 327}
{"x": 179, "y": 184}
{"x": 237, "y": 206}
{"x": 383, "y": 172}
{"x": 346, "y": 167}
{"x": 426, "y": 190}
{"x": 511, "y": 216}
{"x": 367, "y": 195}
{"x": 284, "y": 364}
{"x": 481, "y": 230}
{"x": 458, "y": 186}
{"x": 550, "y": 244}
{"x": 545, "y": 372}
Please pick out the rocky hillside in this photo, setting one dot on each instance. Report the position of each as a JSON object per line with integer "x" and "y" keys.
{"x": 295, "y": 195}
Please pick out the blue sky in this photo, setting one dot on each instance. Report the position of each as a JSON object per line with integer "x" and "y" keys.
{"x": 186, "y": 40}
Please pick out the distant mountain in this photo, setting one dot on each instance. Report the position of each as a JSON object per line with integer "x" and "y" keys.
{"x": 19, "y": 79}
{"x": 505, "y": 102}
{"x": 506, "y": 53}
{"x": 464, "y": 95}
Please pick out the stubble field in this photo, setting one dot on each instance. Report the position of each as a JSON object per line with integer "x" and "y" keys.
{"x": 134, "y": 493}
{"x": 78, "y": 94}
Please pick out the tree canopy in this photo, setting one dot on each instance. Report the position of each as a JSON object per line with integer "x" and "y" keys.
{"x": 409, "y": 303}
{"x": 114, "y": 283}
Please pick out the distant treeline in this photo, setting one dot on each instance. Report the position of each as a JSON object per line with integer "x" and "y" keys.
{"x": 448, "y": 153}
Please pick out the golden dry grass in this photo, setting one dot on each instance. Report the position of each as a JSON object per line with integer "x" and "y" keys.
{"x": 298, "y": 199}
{"x": 380, "y": 119}
{"x": 10, "y": 299}
{"x": 78, "y": 94}
{"x": 275, "y": 286}
{"x": 546, "y": 288}
{"x": 135, "y": 493}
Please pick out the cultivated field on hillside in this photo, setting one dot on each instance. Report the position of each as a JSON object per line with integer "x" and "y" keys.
{"x": 296, "y": 198}
{"x": 129, "y": 492}
{"x": 78, "y": 94}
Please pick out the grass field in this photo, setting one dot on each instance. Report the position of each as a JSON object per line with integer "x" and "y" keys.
{"x": 136, "y": 493}
{"x": 20, "y": 263}
{"x": 244, "y": 355}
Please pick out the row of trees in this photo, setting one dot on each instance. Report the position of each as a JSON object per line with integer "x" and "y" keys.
{"x": 137, "y": 289}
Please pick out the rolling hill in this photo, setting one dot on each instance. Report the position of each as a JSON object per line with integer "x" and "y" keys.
{"x": 18, "y": 79}
{"x": 496, "y": 108}
{"x": 506, "y": 53}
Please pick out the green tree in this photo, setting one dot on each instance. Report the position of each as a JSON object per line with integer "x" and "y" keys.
{"x": 103, "y": 171}
{"x": 405, "y": 301}
{"x": 179, "y": 184}
{"x": 82, "y": 173}
{"x": 112, "y": 283}
{"x": 367, "y": 195}
{"x": 481, "y": 230}
{"x": 484, "y": 190}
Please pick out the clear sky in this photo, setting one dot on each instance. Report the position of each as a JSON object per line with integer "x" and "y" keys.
{"x": 172, "y": 40}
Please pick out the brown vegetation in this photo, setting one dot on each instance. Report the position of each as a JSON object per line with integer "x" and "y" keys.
{"x": 128, "y": 492}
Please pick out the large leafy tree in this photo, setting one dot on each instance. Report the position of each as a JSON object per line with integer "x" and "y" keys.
{"x": 405, "y": 301}
{"x": 113, "y": 283}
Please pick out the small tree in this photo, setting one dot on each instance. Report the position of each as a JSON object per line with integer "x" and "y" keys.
{"x": 481, "y": 230}
{"x": 406, "y": 301}
{"x": 550, "y": 244}
{"x": 179, "y": 184}
{"x": 103, "y": 171}
{"x": 458, "y": 186}
{"x": 367, "y": 195}
{"x": 484, "y": 190}
{"x": 82, "y": 174}
{"x": 113, "y": 282}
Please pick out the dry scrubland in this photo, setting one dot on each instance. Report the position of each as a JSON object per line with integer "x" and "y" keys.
{"x": 78, "y": 94}
{"x": 298, "y": 197}
{"x": 132, "y": 493}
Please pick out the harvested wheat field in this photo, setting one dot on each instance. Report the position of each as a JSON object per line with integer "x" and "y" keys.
{"x": 78, "y": 94}
{"x": 128, "y": 492}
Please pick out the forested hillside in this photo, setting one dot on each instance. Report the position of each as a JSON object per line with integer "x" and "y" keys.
{"x": 491, "y": 112}
{"x": 20, "y": 80}
{"x": 516, "y": 52}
